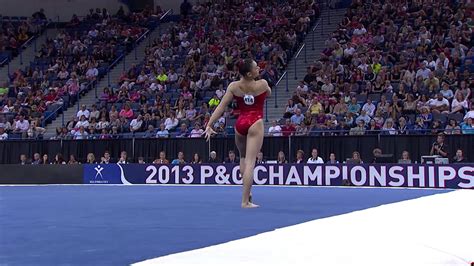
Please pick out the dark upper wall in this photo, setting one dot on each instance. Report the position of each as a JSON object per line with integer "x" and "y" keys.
{"x": 64, "y": 9}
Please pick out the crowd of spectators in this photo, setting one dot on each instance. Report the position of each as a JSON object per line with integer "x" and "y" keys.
{"x": 232, "y": 158}
{"x": 391, "y": 67}
{"x": 16, "y": 31}
{"x": 67, "y": 65}
{"x": 186, "y": 70}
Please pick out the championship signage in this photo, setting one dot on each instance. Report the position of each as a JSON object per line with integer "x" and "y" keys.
{"x": 373, "y": 175}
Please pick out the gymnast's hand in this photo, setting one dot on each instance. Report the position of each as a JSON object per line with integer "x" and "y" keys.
{"x": 208, "y": 133}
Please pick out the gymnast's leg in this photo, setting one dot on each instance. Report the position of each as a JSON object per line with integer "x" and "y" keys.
{"x": 240, "y": 142}
{"x": 253, "y": 146}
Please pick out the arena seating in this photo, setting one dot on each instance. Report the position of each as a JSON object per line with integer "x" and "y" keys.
{"x": 391, "y": 61}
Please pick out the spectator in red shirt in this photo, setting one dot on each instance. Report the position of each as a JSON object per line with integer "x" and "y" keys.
{"x": 288, "y": 129}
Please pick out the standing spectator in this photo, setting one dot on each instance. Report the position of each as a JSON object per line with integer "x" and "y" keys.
{"x": 180, "y": 159}
{"x": 315, "y": 159}
{"x": 439, "y": 147}
{"x": 275, "y": 129}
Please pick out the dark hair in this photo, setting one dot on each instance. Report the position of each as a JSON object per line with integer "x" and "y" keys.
{"x": 245, "y": 66}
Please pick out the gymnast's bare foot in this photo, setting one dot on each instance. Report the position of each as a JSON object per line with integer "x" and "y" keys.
{"x": 249, "y": 205}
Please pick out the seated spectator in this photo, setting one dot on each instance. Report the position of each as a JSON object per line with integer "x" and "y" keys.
{"x": 359, "y": 129}
{"x": 314, "y": 159}
{"x": 36, "y": 159}
{"x": 58, "y": 159}
{"x": 468, "y": 126}
{"x": 91, "y": 159}
{"x": 180, "y": 159}
{"x": 297, "y": 118}
{"x": 123, "y": 159}
{"x": 162, "y": 159}
{"x": 183, "y": 131}
{"x": 439, "y": 105}
{"x": 402, "y": 127}
{"x": 459, "y": 157}
{"x": 72, "y": 160}
{"x": 232, "y": 158}
{"x": 3, "y": 134}
{"x": 288, "y": 129}
{"x": 369, "y": 108}
{"x": 332, "y": 159}
{"x": 213, "y": 157}
{"x": 22, "y": 125}
{"x": 126, "y": 112}
{"x": 459, "y": 104}
{"x": 405, "y": 158}
{"x": 275, "y": 129}
{"x": 163, "y": 132}
{"x": 196, "y": 159}
{"x": 364, "y": 117}
{"x": 299, "y": 156}
{"x": 197, "y": 131}
{"x": 23, "y": 159}
{"x": 355, "y": 158}
{"x": 281, "y": 157}
{"x": 136, "y": 124}
{"x": 452, "y": 128}
{"x": 260, "y": 159}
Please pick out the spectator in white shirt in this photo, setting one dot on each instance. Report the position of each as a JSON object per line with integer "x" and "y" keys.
{"x": 275, "y": 130}
{"x": 82, "y": 122}
{"x": 369, "y": 108}
{"x": 136, "y": 124}
{"x": 470, "y": 114}
{"x": 360, "y": 30}
{"x": 163, "y": 132}
{"x": 83, "y": 112}
{"x": 22, "y": 125}
{"x": 439, "y": 104}
{"x": 314, "y": 159}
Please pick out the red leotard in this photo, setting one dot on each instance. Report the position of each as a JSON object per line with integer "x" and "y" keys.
{"x": 250, "y": 112}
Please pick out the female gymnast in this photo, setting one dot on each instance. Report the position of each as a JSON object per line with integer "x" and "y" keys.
{"x": 250, "y": 95}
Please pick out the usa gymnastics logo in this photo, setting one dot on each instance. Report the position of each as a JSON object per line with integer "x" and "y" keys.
{"x": 99, "y": 177}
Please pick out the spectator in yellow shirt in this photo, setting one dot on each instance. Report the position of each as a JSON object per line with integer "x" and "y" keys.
{"x": 214, "y": 102}
{"x": 162, "y": 77}
{"x": 316, "y": 107}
